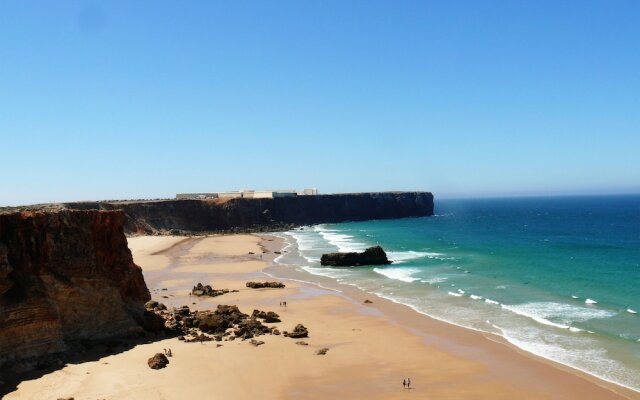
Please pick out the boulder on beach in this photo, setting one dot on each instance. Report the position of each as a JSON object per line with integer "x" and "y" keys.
{"x": 371, "y": 256}
{"x": 298, "y": 332}
{"x": 158, "y": 361}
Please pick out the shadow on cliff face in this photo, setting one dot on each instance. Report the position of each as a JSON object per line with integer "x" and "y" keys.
{"x": 79, "y": 353}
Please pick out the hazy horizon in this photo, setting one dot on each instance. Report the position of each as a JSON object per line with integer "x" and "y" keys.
{"x": 102, "y": 100}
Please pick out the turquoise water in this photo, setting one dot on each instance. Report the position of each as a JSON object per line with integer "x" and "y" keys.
{"x": 558, "y": 277}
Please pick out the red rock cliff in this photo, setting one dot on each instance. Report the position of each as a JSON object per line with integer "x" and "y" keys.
{"x": 65, "y": 276}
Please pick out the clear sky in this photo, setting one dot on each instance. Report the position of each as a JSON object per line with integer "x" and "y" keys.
{"x": 143, "y": 99}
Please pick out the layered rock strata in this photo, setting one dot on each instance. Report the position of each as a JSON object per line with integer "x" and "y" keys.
{"x": 65, "y": 277}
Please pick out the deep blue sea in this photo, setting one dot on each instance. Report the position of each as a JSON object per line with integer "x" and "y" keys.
{"x": 558, "y": 277}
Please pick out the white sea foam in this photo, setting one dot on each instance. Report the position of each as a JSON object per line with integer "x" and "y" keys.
{"x": 476, "y": 297}
{"x": 589, "y": 301}
{"x": 334, "y": 273}
{"x": 400, "y": 274}
{"x": 557, "y": 314}
{"x": 461, "y": 291}
{"x": 344, "y": 242}
{"x": 490, "y": 301}
{"x": 630, "y": 311}
{"x": 435, "y": 280}
{"x": 580, "y": 354}
{"x": 455, "y": 294}
{"x": 574, "y": 297}
{"x": 399, "y": 257}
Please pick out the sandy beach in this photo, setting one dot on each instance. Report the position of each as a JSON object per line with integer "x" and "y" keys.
{"x": 372, "y": 347}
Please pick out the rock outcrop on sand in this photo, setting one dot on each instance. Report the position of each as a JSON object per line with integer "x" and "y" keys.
{"x": 65, "y": 277}
{"x": 181, "y": 217}
{"x": 371, "y": 256}
{"x": 261, "y": 285}
{"x": 207, "y": 290}
{"x": 298, "y": 332}
{"x": 267, "y": 316}
{"x": 158, "y": 361}
{"x": 223, "y": 323}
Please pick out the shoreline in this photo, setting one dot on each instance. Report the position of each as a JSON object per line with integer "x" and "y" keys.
{"x": 372, "y": 347}
{"x": 404, "y": 315}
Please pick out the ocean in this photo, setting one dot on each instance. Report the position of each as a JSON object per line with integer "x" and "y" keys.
{"x": 557, "y": 277}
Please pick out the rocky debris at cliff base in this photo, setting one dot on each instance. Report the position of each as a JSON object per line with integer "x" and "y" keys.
{"x": 298, "y": 332}
{"x": 322, "y": 351}
{"x": 268, "y": 316}
{"x": 199, "y": 338}
{"x": 158, "y": 361}
{"x": 256, "y": 342}
{"x": 302, "y": 343}
{"x": 207, "y": 290}
{"x": 260, "y": 285}
{"x": 226, "y": 321}
{"x": 153, "y": 305}
{"x": 371, "y": 256}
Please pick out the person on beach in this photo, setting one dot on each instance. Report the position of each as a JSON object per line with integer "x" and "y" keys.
{"x": 404, "y": 383}
{"x": 408, "y": 382}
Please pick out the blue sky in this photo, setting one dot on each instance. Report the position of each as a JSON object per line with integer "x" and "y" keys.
{"x": 114, "y": 99}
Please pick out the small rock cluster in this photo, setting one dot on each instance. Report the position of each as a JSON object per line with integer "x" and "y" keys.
{"x": 207, "y": 290}
{"x": 298, "y": 332}
{"x": 260, "y": 285}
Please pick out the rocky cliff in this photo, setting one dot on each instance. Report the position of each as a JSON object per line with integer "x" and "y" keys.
{"x": 65, "y": 277}
{"x": 263, "y": 214}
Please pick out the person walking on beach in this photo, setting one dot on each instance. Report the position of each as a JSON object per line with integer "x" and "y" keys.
{"x": 408, "y": 383}
{"x": 404, "y": 383}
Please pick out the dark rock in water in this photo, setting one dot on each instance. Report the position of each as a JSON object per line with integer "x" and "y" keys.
{"x": 158, "y": 361}
{"x": 298, "y": 332}
{"x": 371, "y": 256}
{"x": 260, "y": 285}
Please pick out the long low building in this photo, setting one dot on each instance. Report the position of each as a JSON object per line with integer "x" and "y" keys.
{"x": 196, "y": 196}
{"x": 250, "y": 194}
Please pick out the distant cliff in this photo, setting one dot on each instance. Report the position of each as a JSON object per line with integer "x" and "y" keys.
{"x": 263, "y": 214}
{"x": 65, "y": 276}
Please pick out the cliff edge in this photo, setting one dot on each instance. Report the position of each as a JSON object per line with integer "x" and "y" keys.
{"x": 246, "y": 215}
{"x": 65, "y": 277}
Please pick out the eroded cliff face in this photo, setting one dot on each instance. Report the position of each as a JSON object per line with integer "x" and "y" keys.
{"x": 264, "y": 214}
{"x": 65, "y": 276}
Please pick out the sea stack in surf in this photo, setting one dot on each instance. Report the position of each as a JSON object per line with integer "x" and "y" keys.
{"x": 371, "y": 256}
